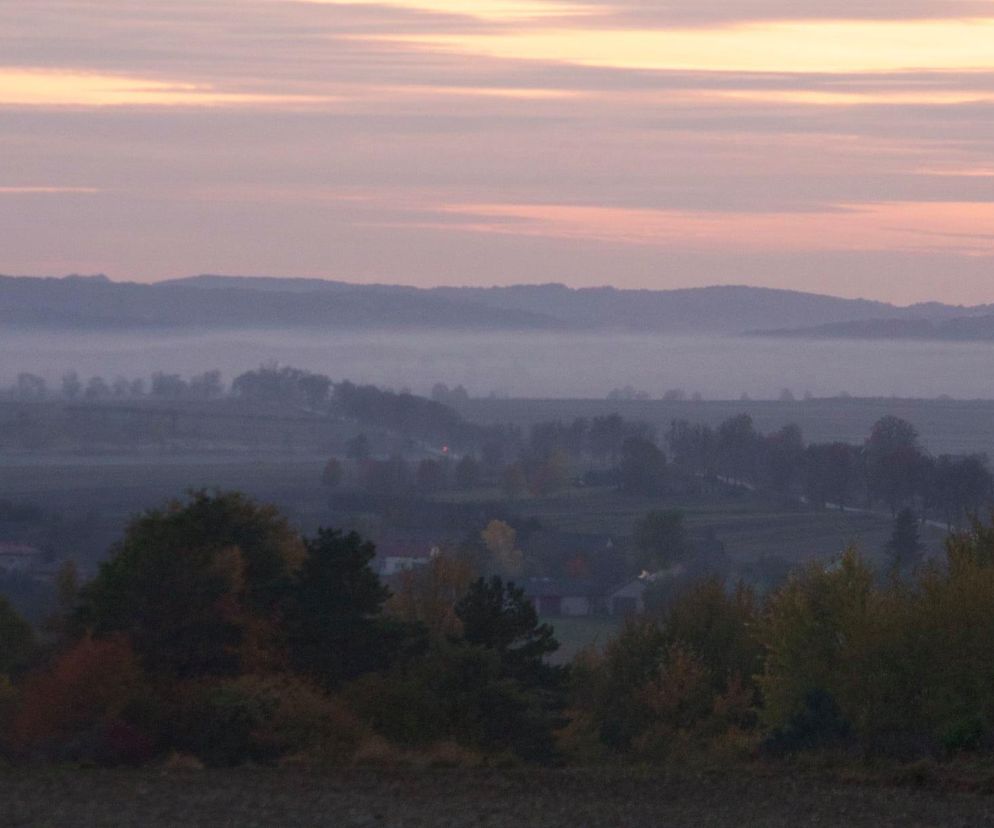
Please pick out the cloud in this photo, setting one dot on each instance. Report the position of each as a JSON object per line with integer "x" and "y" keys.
{"x": 501, "y": 140}
{"x": 46, "y": 190}
{"x": 950, "y": 226}
{"x": 776, "y": 46}
{"x": 45, "y": 88}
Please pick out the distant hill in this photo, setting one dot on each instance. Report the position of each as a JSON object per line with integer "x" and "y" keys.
{"x": 209, "y": 302}
{"x": 74, "y": 303}
{"x": 967, "y": 328}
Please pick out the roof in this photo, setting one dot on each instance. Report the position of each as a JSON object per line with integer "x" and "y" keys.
{"x": 18, "y": 550}
{"x": 562, "y": 588}
{"x": 412, "y": 552}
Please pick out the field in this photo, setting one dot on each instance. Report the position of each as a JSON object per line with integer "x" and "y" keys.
{"x": 88, "y": 483}
{"x": 88, "y": 500}
{"x": 445, "y": 798}
{"x": 119, "y": 486}
{"x": 748, "y": 526}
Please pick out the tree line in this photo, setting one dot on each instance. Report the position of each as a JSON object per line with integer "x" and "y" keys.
{"x": 889, "y": 470}
{"x": 217, "y": 631}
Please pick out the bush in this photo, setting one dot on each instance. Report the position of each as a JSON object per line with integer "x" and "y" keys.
{"x": 17, "y": 640}
{"x": 262, "y": 719}
{"x": 718, "y": 627}
{"x": 89, "y": 704}
{"x": 459, "y": 693}
{"x": 818, "y": 724}
{"x": 612, "y": 693}
{"x": 807, "y": 628}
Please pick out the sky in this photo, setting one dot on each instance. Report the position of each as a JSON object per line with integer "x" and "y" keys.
{"x": 836, "y": 147}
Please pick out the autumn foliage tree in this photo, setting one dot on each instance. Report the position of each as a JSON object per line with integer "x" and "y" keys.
{"x": 196, "y": 586}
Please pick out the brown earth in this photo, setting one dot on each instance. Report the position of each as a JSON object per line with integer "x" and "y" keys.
{"x": 443, "y": 798}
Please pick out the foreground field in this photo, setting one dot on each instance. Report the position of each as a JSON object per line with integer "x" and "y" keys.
{"x": 457, "y": 798}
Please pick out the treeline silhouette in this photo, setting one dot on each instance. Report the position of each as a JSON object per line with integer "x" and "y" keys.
{"x": 216, "y": 631}
{"x": 890, "y": 469}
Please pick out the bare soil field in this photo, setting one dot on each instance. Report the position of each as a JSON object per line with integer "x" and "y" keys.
{"x": 443, "y": 798}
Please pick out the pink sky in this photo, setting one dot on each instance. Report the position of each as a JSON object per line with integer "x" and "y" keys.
{"x": 845, "y": 148}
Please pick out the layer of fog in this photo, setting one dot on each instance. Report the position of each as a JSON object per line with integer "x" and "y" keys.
{"x": 532, "y": 365}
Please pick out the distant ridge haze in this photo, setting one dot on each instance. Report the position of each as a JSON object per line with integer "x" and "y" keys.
{"x": 226, "y": 302}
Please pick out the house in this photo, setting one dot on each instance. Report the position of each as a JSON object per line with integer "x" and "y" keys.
{"x": 628, "y": 599}
{"x": 560, "y": 598}
{"x": 18, "y": 557}
{"x": 401, "y": 559}
{"x": 401, "y": 550}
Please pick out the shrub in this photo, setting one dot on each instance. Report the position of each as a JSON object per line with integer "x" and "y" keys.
{"x": 718, "y": 627}
{"x": 807, "y": 628}
{"x": 818, "y": 724}
{"x": 17, "y": 640}
{"x": 261, "y": 719}
{"x": 86, "y": 705}
{"x": 461, "y": 693}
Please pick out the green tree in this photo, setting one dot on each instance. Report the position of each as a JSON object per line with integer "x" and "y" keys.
{"x": 498, "y": 618}
{"x": 904, "y": 549}
{"x": 830, "y": 473}
{"x": 467, "y": 472}
{"x": 783, "y": 454}
{"x": 196, "y": 585}
{"x": 661, "y": 540}
{"x": 894, "y": 462}
{"x": 718, "y": 626}
{"x": 738, "y": 447}
{"x": 643, "y": 467}
{"x": 333, "y": 614}
{"x": 808, "y": 630}
{"x": 17, "y": 640}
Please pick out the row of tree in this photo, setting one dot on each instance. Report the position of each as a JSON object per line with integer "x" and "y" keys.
{"x": 216, "y": 630}
{"x": 890, "y": 469}
{"x": 833, "y": 660}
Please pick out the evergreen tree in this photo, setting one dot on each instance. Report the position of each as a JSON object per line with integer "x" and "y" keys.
{"x": 333, "y": 615}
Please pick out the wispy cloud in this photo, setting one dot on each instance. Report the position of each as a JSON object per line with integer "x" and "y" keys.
{"x": 637, "y": 141}
{"x": 40, "y": 87}
{"x": 780, "y": 46}
{"x": 46, "y": 190}
{"x": 864, "y": 227}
